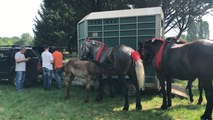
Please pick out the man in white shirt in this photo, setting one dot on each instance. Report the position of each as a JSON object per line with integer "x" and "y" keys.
{"x": 20, "y": 68}
{"x": 47, "y": 66}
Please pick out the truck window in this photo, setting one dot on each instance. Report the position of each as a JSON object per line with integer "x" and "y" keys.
{"x": 3, "y": 54}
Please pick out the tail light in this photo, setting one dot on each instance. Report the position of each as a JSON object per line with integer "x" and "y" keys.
{"x": 38, "y": 67}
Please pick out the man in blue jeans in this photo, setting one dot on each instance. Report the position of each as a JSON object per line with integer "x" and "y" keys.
{"x": 20, "y": 68}
{"x": 47, "y": 61}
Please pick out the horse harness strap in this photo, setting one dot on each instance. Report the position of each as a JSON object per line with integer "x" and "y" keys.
{"x": 99, "y": 52}
{"x": 158, "y": 57}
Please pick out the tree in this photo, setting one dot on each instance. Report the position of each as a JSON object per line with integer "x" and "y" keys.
{"x": 56, "y": 25}
{"x": 25, "y": 40}
{"x": 59, "y": 18}
{"x": 198, "y": 30}
{"x": 8, "y": 40}
{"x": 178, "y": 13}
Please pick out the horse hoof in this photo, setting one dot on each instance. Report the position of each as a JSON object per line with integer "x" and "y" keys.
{"x": 98, "y": 99}
{"x": 203, "y": 117}
{"x": 86, "y": 101}
{"x": 163, "y": 107}
{"x": 199, "y": 102}
{"x": 191, "y": 100}
{"x": 66, "y": 98}
{"x": 138, "y": 107}
{"x": 169, "y": 105}
{"x": 125, "y": 108}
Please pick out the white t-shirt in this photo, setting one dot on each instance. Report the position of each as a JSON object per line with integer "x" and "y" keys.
{"x": 46, "y": 60}
{"x": 22, "y": 65}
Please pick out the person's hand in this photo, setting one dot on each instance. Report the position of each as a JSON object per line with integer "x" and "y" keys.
{"x": 27, "y": 59}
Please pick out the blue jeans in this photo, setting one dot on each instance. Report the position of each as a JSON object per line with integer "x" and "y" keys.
{"x": 20, "y": 77}
{"x": 58, "y": 77}
{"x": 47, "y": 76}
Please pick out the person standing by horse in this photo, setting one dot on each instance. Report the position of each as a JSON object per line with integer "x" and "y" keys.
{"x": 58, "y": 66}
{"x": 47, "y": 67}
{"x": 20, "y": 68}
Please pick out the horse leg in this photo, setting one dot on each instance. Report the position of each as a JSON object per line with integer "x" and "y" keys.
{"x": 96, "y": 86}
{"x": 189, "y": 87}
{"x": 200, "y": 87}
{"x": 132, "y": 76}
{"x": 125, "y": 89}
{"x": 169, "y": 89}
{"x": 111, "y": 85}
{"x": 68, "y": 79}
{"x": 101, "y": 88}
{"x": 162, "y": 85}
{"x": 208, "y": 88}
{"x": 87, "y": 89}
{"x": 138, "y": 97}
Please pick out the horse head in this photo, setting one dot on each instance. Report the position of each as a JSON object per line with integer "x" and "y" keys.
{"x": 89, "y": 49}
{"x": 151, "y": 48}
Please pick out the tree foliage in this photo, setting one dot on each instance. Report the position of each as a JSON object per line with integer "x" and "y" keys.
{"x": 198, "y": 30}
{"x": 59, "y": 18}
{"x": 25, "y": 40}
{"x": 56, "y": 25}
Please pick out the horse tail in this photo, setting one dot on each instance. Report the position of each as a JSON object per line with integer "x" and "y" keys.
{"x": 139, "y": 69}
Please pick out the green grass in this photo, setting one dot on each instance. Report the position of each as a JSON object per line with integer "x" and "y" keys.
{"x": 35, "y": 103}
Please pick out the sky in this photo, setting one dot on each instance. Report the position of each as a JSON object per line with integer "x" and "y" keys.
{"x": 17, "y": 17}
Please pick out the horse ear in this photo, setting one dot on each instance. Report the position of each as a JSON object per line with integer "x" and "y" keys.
{"x": 153, "y": 40}
{"x": 93, "y": 42}
{"x": 178, "y": 40}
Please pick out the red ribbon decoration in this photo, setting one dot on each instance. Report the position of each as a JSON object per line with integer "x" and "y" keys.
{"x": 99, "y": 52}
{"x": 158, "y": 57}
{"x": 135, "y": 56}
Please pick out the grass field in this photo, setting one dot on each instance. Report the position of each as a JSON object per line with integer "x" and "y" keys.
{"x": 37, "y": 104}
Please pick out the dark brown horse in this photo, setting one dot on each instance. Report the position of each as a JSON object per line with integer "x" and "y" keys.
{"x": 89, "y": 70}
{"x": 123, "y": 60}
{"x": 185, "y": 62}
{"x": 189, "y": 85}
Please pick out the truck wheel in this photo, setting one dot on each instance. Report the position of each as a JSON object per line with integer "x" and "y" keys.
{"x": 12, "y": 79}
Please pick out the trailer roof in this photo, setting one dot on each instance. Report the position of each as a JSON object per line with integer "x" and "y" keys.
{"x": 124, "y": 13}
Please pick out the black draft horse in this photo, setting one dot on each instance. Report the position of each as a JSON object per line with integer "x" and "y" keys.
{"x": 124, "y": 61}
{"x": 189, "y": 85}
{"x": 185, "y": 62}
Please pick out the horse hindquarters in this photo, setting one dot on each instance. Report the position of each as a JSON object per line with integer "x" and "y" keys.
{"x": 208, "y": 88}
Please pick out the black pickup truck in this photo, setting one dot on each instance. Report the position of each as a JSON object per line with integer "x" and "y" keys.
{"x": 7, "y": 64}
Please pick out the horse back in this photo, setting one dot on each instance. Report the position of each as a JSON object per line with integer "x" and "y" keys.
{"x": 122, "y": 60}
{"x": 190, "y": 60}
